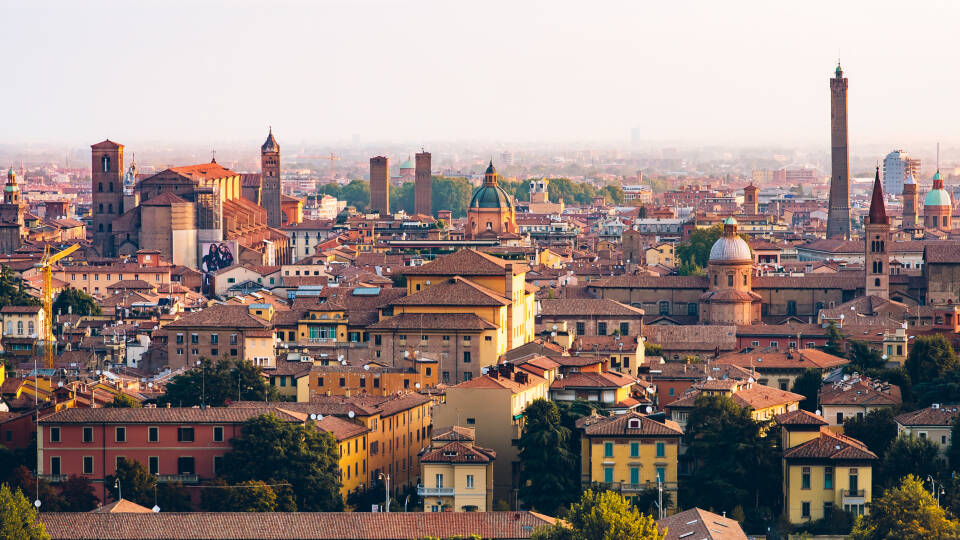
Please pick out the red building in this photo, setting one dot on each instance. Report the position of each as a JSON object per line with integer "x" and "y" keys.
{"x": 176, "y": 444}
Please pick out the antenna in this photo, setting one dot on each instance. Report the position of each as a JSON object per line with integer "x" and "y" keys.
{"x": 938, "y": 156}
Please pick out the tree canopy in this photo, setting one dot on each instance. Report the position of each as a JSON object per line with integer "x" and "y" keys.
{"x": 278, "y": 452}
{"x": 601, "y": 515}
{"x": 217, "y": 383}
{"x": 550, "y": 476}
{"x": 76, "y": 302}
{"x": 906, "y": 512}
{"x": 908, "y": 456}
{"x": 136, "y": 484}
{"x": 12, "y": 292}
{"x": 931, "y": 357}
{"x": 18, "y": 517}
{"x": 695, "y": 251}
{"x": 877, "y": 430}
{"x": 808, "y": 384}
{"x": 864, "y": 358}
{"x": 122, "y": 401}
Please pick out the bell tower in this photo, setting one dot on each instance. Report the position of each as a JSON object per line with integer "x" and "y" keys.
{"x": 107, "y": 187}
{"x": 876, "y": 237}
{"x": 270, "y": 184}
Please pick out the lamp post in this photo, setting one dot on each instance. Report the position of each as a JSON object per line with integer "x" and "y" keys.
{"x": 386, "y": 478}
{"x": 116, "y": 484}
{"x": 933, "y": 488}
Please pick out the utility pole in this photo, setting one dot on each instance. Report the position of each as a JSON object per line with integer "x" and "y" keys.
{"x": 386, "y": 486}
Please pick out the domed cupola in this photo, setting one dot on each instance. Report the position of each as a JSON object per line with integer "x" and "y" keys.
{"x": 490, "y": 194}
{"x": 937, "y": 196}
{"x": 491, "y": 210}
{"x": 730, "y": 247}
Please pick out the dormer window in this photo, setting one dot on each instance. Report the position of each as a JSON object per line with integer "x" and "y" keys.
{"x": 633, "y": 423}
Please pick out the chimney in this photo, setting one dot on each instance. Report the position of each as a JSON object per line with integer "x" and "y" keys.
{"x": 508, "y": 281}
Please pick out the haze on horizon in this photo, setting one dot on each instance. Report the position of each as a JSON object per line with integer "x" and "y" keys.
{"x": 691, "y": 72}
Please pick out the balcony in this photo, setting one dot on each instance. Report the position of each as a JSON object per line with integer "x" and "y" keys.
{"x": 54, "y": 478}
{"x": 434, "y": 492}
{"x": 182, "y": 478}
{"x": 624, "y": 487}
{"x": 854, "y": 496}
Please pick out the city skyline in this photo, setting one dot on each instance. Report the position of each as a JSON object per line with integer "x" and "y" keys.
{"x": 371, "y": 71}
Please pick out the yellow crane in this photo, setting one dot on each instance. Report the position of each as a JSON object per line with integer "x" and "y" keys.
{"x": 331, "y": 158}
{"x": 46, "y": 266}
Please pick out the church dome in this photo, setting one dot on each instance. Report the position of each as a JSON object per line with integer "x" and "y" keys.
{"x": 407, "y": 164}
{"x": 730, "y": 247}
{"x": 937, "y": 197}
{"x": 491, "y": 196}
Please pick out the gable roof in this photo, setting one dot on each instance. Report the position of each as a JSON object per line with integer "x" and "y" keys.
{"x": 466, "y": 262}
{"x": 587, "y": 307}
{"x": 456, "y": 291}
{"x": 832, "y": 446}
{"x": 619, "y": 424}
{"x": 942, "y": 415}
{"x": 699, "y": 524}
{"x": 457, "y": 452}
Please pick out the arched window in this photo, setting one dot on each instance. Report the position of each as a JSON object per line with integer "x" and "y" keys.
{"x": 105, "y": 163}
{"x": 876, "y": 282}
{"x": 19, "y": 327}
{"x": 489, "y": 226}
{"x": 30, "y": 328}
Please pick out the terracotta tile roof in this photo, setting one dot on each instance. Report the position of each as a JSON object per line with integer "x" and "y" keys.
{"x": 21, "y": 309}
{"x": 699, "y": 524}
{"x": 341, "y": 429}
{"x": 652, "y": 282}
{"x": 860, "y": 391}
{"x": 692, "y": 337}
{"x": 457, "y": 452}
{"x": 619, "y": 424}
{"x": 797, "y": 359}
{"x": 454, "y": 433}
{"x": 220, "y": 316}
{"x": 753, "y": 395}
{"x": 800, "y": 417}
{"x": 940, "y": 416}
{"x": 203, "y": 171}
{"x": 684, "y": 371}
{"x": 342, "y": 405}
{"x": 433, "y": 321}
{"x": 586, "y": 307}
{"x": 501, "y": 383}
{"x": 786, "y": 329}
{"x": 831, "y": 446}
{"x": 466, "y": 262}
{"x": 843, "y": 281}
{"x": 122, "y": 506}
{"x": 607, "y": 379}
{"x": 162, "y": 415}
{"x": 283, "y": 525}
{"x": 454, "y": 292}
{"x": 942, "y": 253}
{"x": 584, "y": 345}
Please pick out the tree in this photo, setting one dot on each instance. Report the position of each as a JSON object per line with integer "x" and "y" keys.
{"x": 549, "y": 477}
{"x": 217, "y": 383}
{"x": 808, "y": 384}
{"x": 78, "y": 494}
{"x": 864, "y": 358}
{"x": 356, "y": 194}
{"x": 907, "y": 456}
{"x": 834, "y": 343}
{"x": 122, "y": 401}
{"x": 906, "y": 512}
{"x": 402, "y": 198}
{"x": 943, "y": 389}
{"x": 930, "y": 358}
{"x": 696, "y": 250}
{"x": 652, "y": 349}
{"x": 135, "y": 483}
{"x": 50, "y": 498}
{"x": 601, "y": 515}
{"x": 451, "y": 194}
{"x": 18, "y": 517}
{"x": 735, "y": 459}
{"x": 876, "y": 430}
{"x": 12, "y": 292}
{"x": 76, "y": 302}
{"x": 250, "y": 496}
{"x": 953, "y": 453}
{"x": 275, "y": 451}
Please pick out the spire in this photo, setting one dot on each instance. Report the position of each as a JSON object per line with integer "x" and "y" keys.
{"x": 490, "y": 175}
{"x": 270, "y": 145}
{"x": 878, "y": 211}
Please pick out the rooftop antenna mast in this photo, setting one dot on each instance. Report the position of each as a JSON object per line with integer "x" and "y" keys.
{"x": 938, "y": 156}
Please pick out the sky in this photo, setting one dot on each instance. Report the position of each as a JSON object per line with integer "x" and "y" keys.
{"x": 683, "y": 72}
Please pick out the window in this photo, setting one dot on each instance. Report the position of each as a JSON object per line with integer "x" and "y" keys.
{"x": 153, "y": 434}
{"x": 469, "y": 481}
{"x": 581, "y": 328}
{"x": 194, "y": 338}
{"x": 88, "y": 434}
{"x": 439, "y": 480}
{"x": 466, "y": 357}
{"x": 601, "y": 328}
{"x": 214, "y": 352}
{"x": 608, "y": 449}
{"x": 179, "y": 338}
{"x": 153, "y": 463}
{"x": 839, "y": 418}
{"x": 662, "y": 474}
{"x": 54, "y": 434}
{"x": 634, "y": 449}
{"x": 624, "y": 329}
{"x": 854, "y": 484}
{"x": 805, "y": 478}
{"x": 692, "y": 309}
{"x": 729, "y": 280}
{"x": 670, "y": 391}
{"x": 791, "y": 307}
{"x": 217, "y": 465}
{"x": 214, "y": 339}
{"x": 608, "y": 474}
{"x": 87, "y": 464}
{"x": 343, "y": 382}
{"x": 121, "y": 434}
{"x": 664, "y": 307}
{"x": 805, "y": 509}
{"x": 634, "y": 475}
{"x": 828, "y": 478}
{"x": 184, "y": 434}
{"x": 217, "y": 433}
{"x": 185, "y": 465}
{"x": 661, "y": 449}
{"x": 233, "y": 339}
{"x": 55, "y": 465}
{"x": 471, "y": 421}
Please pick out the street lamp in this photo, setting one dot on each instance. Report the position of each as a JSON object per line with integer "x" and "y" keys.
{"x": 116, "y": 484}
{"x": 386, "y": 477}
{"x": 933, "y": 488}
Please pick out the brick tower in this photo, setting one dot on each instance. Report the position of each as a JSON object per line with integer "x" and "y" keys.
{"x": 838, "y": 215}
{"x": 422, "y": 201}
{"x": 379, "y": 185}
{"x": 751, "y": 203}
{"x": 107, "y": 186}
{"x": 875, "y": 238}
{"x": 911, "y": 207}
{"x": 270, "y": 185}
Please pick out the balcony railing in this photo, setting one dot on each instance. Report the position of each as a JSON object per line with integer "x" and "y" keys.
{"x": 182, "y": 478}
{"x": 625, "y": 487}
{"x": 434, "y": 492}
{"x": 854, "y": 493}
{"x": 54, "y": 478}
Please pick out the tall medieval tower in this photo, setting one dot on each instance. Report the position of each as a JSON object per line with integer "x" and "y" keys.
{"x": 423, "y": 203}
{"x": 380, "y": 185}
{"x": 107, "y": 186}
{"x": 270, "y": 185}
{"x": 838, "y": 215}
{"x": 876, "y": 237}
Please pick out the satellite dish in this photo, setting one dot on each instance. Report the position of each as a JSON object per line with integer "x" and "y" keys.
{"x": 59, "y": 384}
{"x": 37, "y": 503}
{"x": 98, "y": 372}
{"x": 417, "y": 386}
{"x": 319, "y": 417}
{"x": 366, "y": 367}
{"x": 156, "y": 509}
{"x": 351, "y": 414}
{"x": 340, "y": 357}
{"x": 313, "y": 416}
{"x": 818, "y": 412}
{"x": 343, "y": 362}
{"x": 149, "y": 385}
{"x": 649, "y": 409}
{"x": 750, "y": 379}
{"x": 709, "y": 378}
{"x": 846, "y": 377}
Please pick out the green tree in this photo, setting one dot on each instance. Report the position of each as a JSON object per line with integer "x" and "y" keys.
{"x": 78, "y": 494}
{"x": 696, "y": 250}
{"x": 864, "y": 358}
{"x": 652, "y": 349}
{"x": 18, "y": 517}
{"x": 217, "y": 383}
{"x": 688, "y": 268}
{"x": 834, "y": 344}
{"x": 906, "y": 512}
{"x": 943, "y": 389}
{"x": 122, "y": 401}
{"x": 135, "y": 483}
{"x": 549, "y": 477}
{"x": 953, "y": 453}
{"x": 402, "y": 198}
{"x": 930, "y": 358}
{"x": 12, "y": 292}
{"x": 735, "y": 459}
{"x": 76, "y": 302}
{"x": 450, "y": 193}
{"x": 356, "y": 194}
{"x": 614, "y": 194}
{"x": 250, "y": 496}
{"x": 907, "y": 456}
{"x": 601, "y": 515}
{"x": 808, "y": 384}
{"x": 24, "y": 479}
{"x": 877, "y": 430}
{"x": 275, "y": 451}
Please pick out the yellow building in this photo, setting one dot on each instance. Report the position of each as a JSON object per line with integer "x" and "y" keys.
{"x": 352, "y": 445}
{"x": 662, "y": 254}
{"x": 822, "y": 470}
{"x": 456, "y": 473}
{"x": 764, "y": 402}
{"x": 630, "y": 453}
{"x": 493, "y": 404}
{"x": 23, "y": 328}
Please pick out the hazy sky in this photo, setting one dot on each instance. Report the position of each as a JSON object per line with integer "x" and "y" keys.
{"x": 716, "y": 72}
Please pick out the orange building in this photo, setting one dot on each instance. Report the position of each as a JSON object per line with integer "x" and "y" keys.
{"x": 370, "y": 379}
{"x": 491, "y": 212}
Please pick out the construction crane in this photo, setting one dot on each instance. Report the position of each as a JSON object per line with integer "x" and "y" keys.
{"x": 331, "y": 158}
{"x": 46, "y": 266}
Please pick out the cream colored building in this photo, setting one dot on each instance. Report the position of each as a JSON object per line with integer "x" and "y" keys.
{"x": 662, "y": 254}
{"x": 933, "y": 423}
{"x": 456, "y": 474}
{"x": 493, "y": 405}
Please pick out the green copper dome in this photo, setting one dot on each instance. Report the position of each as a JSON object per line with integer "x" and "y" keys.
{"x": 491, "y": 197}
{"x": 937, "y": 175}
{"x": 407, "y": 164}
{"x": 937, "y": 197}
